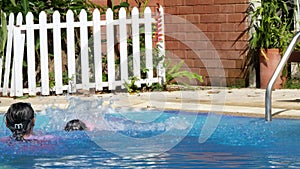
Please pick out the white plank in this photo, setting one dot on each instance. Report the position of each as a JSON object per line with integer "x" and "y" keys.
{"x": 44, "y": 54}
{"x": 97, "y": 49}
{"x": 110, "y": 50}
{"x": 30, "y": 54}
{"x": 17, "y": 70}
{"x": 84, "y": 50}
{"x": 57, "y": 53}
{"x": 161, "y": 44}
{"x": 71, "y": 52}
{"x": 148, "y": 44}
{"x": 10, "y": 29}
{"x": 123, "y": 46}
{"x": 136, "y": 44}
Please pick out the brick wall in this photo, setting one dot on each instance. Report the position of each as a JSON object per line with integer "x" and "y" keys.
{"x": 219, "y": 23}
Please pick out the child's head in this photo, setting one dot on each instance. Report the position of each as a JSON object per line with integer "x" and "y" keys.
{"x": 19, "y": 118}
{"x": 75, "y": 125}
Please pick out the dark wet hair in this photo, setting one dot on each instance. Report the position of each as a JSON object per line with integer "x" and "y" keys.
{"x": 19, "y": 119}
{"x": 75, "y": 124}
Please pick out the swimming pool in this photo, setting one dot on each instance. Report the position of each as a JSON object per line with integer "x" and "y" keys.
{"x": 237, "y": 142}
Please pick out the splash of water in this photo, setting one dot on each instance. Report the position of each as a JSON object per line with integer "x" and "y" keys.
{"x": 119, "y": 134}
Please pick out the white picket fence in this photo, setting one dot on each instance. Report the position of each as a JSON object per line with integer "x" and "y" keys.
{"x": 21, "y": 38}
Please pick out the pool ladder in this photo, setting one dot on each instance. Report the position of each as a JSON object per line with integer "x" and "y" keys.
{"x": 284, "y": 59}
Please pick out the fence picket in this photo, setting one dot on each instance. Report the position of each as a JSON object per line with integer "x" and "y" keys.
{"x": 148, "y": 45}
{"x": 44, "y": 54}
{"x": 161, "y": 43}
{"x": 110, "y": 49}
{"x": 84, "y": 53}
{"x": 71, "y": 52}
{"x": 123, "y": 46}
{"x": 97, "y": 50}
{"x": 30, "y": 54}
{"x": 57, "y": 53}
{"x": 136, "y": 55}
{"x": 17, "y": 70}
{"x": 10, "y": 29}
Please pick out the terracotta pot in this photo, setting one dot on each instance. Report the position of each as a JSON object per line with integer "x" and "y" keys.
{"x": 267, "y": 68}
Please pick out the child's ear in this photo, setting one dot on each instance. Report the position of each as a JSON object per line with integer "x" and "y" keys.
{"x": 33, "y": 121}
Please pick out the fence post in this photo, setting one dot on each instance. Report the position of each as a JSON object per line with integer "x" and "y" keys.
{"x": 30, "y": 54}
{"x": 97, "y": 49}
{"x": 17, "y": 70}
{"x": 136, "y": 58}
{"x": 84, "y": 52}
{"x": 160, "y": 43}
{"x": 71, "y": 52}
{"x": 110, "y": 50}
{"x": 148, "y": 45}
{"x": 123, "y": 46}
{"x": 9, "y": 45}
{"x": 44, "y": 54}
{"x": 57, "y": 53}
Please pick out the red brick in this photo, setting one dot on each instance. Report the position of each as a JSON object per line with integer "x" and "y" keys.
{"x": 198, "y": 63}
{"x": 234, "y": 72}
{"x": 213, "y": 18}
{"x": 185, "y": 10}
{"x": 189, "y": 63}
{"x": 236, "y": 17}
{"x": 229, "y": 64}
{"x": 210, "y": 35}
{"x": 202, "y": 27}
{"x": 237, "y": 36}
{"x": 223, "y": 45}
{"x": 196, "y": 36}
{"x": 240, "y": 45}
{"x": 228, "y": 27}
{"x": 221, "y": 36}
{"x": 227, "y": 8}
{"x": 179, "y": 53}
{"x": 207, "y": 9}
{"x": 213, "y": 27}
{"x": 171, "y": 28}
{"x": 171, "y": 10}
{"x": 191, "y": 54}
{"x": 172, "y": 45}
{"x": 198, "y": 2}
{"x": 241, "y": 7}
{"x": 231, "y": 54}
{"x": 240, "y": 27}
{"x": 193, "y": 18}
{"x": 173, "y": 3}
{"x": 230, "y": 1}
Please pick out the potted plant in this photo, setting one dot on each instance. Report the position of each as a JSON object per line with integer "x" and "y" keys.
{"x": 270, "y": 29}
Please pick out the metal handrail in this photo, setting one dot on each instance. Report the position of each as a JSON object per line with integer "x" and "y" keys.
{"x": 286, "y": 56}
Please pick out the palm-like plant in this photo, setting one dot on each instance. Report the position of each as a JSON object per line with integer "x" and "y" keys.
{"x": 271, "y": 24}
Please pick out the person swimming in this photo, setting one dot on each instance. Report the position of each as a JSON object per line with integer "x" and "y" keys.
{"x": 20, "y": 119}
{"x": 75, "y": 124}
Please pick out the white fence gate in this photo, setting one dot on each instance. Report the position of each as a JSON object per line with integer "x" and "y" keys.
{"x": 21, "y": 39}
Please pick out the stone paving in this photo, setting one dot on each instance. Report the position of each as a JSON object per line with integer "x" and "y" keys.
{"x": 246, "y": 101}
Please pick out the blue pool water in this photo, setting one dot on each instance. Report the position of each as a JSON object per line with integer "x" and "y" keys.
{"x": 237, "y": 142}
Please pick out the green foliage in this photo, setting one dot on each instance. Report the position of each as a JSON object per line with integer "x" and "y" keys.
{"x": 292, "y": 83}
{"x": 3, "y": 33}
{"x": 175, "y": 72}
{"x": 132, "y": 87}
{"x": 65, "y": 79}
{"x": 271, "y": 23}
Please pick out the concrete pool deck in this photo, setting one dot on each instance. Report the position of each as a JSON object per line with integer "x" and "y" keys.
{"x": 245, "y": 101}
